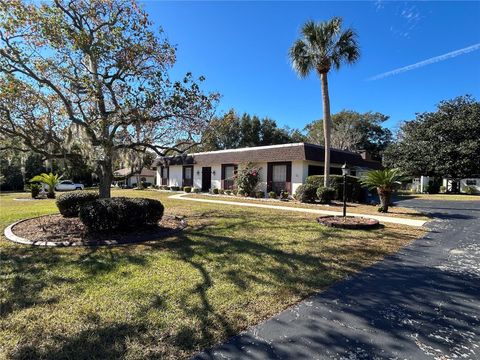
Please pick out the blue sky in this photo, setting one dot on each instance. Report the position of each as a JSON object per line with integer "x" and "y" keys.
{"x": 241, "y": 48}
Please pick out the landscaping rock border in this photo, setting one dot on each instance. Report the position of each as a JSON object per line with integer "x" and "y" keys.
{"x": 133, "y": 239}
{"x": 348, "y": 222}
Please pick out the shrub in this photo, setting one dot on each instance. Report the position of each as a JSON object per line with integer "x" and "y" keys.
{"x": 284, "y": 195}
{"x": 35, "y": 190}
{"x": 325, "y": 194}
{"x": 247, "y": 178}
{"x": 228, "y": 192}
{"x": 221, "y": 191}
{"x": 306, "y": 193}
{"x": 241, "y": 192}
{"x": 260, "y": 194}
{"x": 175, "y": 188}
{"x": 443, "y": 189}
{"x": 215, "y": 191}
{"x": 355, "y": 191}
{"x": 196, "y": 190}
{"x": 121, "y": 213}
{"x": 272, "y": 195}
{"x": 470, "y": 190}
{"x": 70, "y": 203}
{"x": 165, "y": 187}
{"x": 234, "y": 192}
{"x": 187, "y": 189}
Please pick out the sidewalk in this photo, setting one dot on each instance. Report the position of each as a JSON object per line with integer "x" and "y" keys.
{"x": 382, "y": 219}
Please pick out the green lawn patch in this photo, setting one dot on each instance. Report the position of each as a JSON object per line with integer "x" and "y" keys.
{"x": 232, "y": 268}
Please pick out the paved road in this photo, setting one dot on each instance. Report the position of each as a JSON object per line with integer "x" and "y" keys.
{"x": 422, "y": 303}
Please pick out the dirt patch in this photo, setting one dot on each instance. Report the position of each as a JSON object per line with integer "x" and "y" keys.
{"x": 56, "y": 230}
{"x": 348, "y": 222}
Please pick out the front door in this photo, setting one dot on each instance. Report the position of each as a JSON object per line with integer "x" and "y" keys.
{"x": 206, "y": 179}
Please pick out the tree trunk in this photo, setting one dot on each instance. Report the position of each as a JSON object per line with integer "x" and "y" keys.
{"x": 384, "y": 196}
{"x": 326, "y": 128}
{"x": 105, "y": 175}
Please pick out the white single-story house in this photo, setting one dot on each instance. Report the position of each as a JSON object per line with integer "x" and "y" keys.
{"x": 420, "y": 185}
{"x": 131, "y": 178}
{"x": 282, "y": 167}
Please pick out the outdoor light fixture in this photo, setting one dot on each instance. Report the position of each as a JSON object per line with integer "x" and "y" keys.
{"x": 345, "y": 172}
{"x": 198, "y": 172}
{"x": 213, "y": 172}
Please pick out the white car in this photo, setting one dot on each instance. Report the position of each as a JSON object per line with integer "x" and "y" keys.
{"x": 68, "y": 185}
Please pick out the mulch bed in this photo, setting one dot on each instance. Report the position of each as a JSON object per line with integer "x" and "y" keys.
{"x": 56, "y": 230}
{"x": 348, "y": 222}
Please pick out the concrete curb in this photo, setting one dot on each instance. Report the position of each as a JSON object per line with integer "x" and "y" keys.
{"x": 385, "y": 219}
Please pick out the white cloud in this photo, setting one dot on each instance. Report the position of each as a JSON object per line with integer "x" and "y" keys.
{"x": 426, "y": 62}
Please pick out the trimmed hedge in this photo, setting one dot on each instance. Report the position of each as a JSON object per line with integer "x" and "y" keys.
{"x": 355, "y": 191}
{"x": 70, "y": 203}
{"x": 325, "y": 194}
{"x": 121, "y": 213}
{"x": 306, "y": 193}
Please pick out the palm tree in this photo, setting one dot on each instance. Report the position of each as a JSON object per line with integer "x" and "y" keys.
{"x": 50, "y": 180}
{"x": 322, "y": 46}
{"x": 385, "y": 181}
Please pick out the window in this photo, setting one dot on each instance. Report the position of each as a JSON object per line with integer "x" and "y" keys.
{"x": 279, "y": 177}
{"x": 228, "y": 173}
{"x": 471, "y": 182}
{"x": 279, "y": 173}
{"x": 188, "y": 173}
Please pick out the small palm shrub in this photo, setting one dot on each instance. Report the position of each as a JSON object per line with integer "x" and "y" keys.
{"x": 385, "y": 181}
{"x": 306, "y": 193}
{"x": 325, "y": 194}
{"x": 187, "y": 189}
{"x": 272, "y": 195}
{"x": 69, "y": 204}
{"x": 121, "y": 213}
{"x": 51, "y": 180}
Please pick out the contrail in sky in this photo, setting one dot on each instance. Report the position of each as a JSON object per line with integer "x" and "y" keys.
{"x": 427, "y": 62}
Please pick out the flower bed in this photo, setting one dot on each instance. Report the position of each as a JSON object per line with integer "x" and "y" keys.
{"x": 56, "y": 230}
{"x": 348, "y": 222}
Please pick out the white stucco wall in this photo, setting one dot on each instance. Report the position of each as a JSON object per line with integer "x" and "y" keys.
{"x": 134, "y": 180}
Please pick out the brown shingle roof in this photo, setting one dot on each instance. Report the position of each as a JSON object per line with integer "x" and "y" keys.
{"x": 128, "y": 172}
{"x": 287, "y": 152}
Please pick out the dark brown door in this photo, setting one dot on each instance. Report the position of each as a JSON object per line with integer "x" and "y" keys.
{"x": 164, "y": 175}
{"x": 206, "y": 179}
{"x": 188, "y": 175}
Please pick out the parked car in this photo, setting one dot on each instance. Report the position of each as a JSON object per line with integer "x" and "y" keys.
{"x": 68, "y": 185}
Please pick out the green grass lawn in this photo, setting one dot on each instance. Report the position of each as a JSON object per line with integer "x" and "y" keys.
{"x": 232, "y": 268}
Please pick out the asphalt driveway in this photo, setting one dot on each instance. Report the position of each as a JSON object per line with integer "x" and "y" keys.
{"x": 422, "y": 303}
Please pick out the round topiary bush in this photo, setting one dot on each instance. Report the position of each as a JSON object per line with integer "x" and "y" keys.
{"x": 69, "y": 204}
{"x": 325, "y": 194}
{"x": 121, "y": 213}
{"x": 187, "y": 189}
{"x": 306, "y": 193}
{"x": 272, "y": 195}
